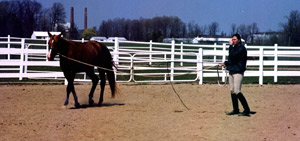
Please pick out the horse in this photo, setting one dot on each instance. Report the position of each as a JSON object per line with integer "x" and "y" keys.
{"x": 78, "y": 57}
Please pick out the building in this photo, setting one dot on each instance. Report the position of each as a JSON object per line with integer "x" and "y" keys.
{"x": 98, "y": 38}
{"x": 264, "y": 37}
{"x": 208, "y": 40}
{"x": 42, "y": 34}
{"x": 184, "y": 40}
{"x": 112, "y": 39}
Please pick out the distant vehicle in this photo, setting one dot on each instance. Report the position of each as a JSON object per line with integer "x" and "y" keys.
{"x": 112, "y": 39}
{"x": 98, "y": 38}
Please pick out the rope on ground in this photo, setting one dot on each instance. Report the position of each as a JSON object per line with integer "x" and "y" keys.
{"x": 176, "y": 91}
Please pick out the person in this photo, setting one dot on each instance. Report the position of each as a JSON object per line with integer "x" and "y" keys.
{"x": 236, "y": 65}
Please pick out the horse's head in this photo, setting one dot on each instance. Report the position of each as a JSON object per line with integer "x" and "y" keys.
{"x": 53, "y": 45}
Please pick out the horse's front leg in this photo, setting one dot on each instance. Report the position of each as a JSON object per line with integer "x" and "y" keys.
{"x": 102, "y": 84}
{"x": 70, "y": 88}
{"x": 67, "y": 97}
{"x": 95, "y": 80}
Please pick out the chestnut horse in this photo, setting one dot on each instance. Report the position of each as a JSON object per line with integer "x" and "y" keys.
{"x": 82, "y": 57}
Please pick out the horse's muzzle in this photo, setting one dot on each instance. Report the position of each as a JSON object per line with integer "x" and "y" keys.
{"x": 49, "y": 55}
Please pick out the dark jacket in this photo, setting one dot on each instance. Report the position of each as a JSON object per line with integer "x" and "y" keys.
{"x": 237, "y": 59}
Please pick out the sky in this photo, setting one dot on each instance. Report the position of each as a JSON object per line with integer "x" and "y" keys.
{"x": 268, "y": 14}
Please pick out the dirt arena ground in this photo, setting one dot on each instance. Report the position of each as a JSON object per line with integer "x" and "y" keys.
{"x": 149, "y": 112}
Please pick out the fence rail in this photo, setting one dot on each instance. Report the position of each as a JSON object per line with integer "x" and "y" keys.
{"x": 150, "y": 61}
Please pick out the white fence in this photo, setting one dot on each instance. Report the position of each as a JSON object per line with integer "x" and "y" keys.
{"x": 150, "y": 61}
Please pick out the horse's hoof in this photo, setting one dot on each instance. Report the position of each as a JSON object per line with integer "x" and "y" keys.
{"x": 100, "y": 104}
{"x": 91, "y": 102}
{"x": 64, "y": 107}
{"x": 77, "y": 105}
{"x": 66, "y": 103}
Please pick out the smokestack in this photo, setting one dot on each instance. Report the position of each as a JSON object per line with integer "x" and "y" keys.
{"x": 85, "y": 18}
{"x": 72, "y": 18}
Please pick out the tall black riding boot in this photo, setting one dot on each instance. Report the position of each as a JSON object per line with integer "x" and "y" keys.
{"x": 235, "y": 105}
{"x": 243, "y": 101}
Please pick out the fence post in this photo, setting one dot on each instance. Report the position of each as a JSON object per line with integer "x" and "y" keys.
{"x": 276, "y": 62}
{"x": 116, "y": 55}
{"x": 26, "y": 59}
{"x": 261, "y": 65}
{"x": 22, "y": 58}
{"x": 215, "y": 50}
{"x": 150, "y": 55}
{"x": 172, "y": 60}
{"x": 8, "y": 46}
{"x": 223, "y": 60}
{"x": 165, "y": 59}
{"x": 82, "y": 40}
{"x": 181, "y": 53}
{"x": 131, "y": 68}
{"x": 200, "y": 66}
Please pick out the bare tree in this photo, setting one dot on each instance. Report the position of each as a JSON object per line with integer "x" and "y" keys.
{"x": 175, "y": 26}
{"x": 243, "y": 31}
{"x": 291, "y": 28}
{"x": 57, "y": 15}
{"x": 147, "y": 29}
{"x": 105, "y": 28}
{"x": 223, "y": 34}
{"x": 43, "y": 23}
{"x": 136, "y": 30}
{"x": 195, "y": 30}
{"x": 233, "y": 29}
{"x": 19, "y": 18}
{"x": 213, "y": 28}
{"x": 253, "y": 30}
{"x": 190, "y": 29}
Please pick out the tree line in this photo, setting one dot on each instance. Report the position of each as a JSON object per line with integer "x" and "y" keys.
{"x": 158, "y": 28}
{"x": 21, "y": 18}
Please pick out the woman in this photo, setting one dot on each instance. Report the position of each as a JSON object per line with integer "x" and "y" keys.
{"x": 236, "y": 65}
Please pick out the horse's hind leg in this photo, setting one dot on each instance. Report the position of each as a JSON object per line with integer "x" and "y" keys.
{"x": 95, "y": 80}
{"x": 102, "y": 84}
{"x": 70, "y": 88}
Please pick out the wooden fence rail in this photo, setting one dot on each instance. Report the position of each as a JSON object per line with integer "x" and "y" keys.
{"x": 150, "y": 61}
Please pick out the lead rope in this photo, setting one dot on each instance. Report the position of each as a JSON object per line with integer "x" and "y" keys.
{"x": 113, "y": 70}
{"x": 167, "y": 71}
{"x": 85, "y": 63}
{"x": 221, "y": 85}
{"x": 175, "y": 90}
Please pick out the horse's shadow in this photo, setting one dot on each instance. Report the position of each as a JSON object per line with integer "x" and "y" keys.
{"x": 84, "y": 106}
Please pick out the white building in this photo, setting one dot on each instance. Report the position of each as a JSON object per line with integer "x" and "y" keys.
{"x": 219, "y": 40}
{"x": 112, "y": 39}
{"x": 184, "y": 40}
{"x": 263, "y": 37}
{"x": 98, "y": 38}
{"x": 42, "y": 34}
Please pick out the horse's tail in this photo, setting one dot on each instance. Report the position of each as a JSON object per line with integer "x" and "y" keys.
{"x": 111, "y": 77}
{"x": 110, "y": 73}
{"x": 112, "y": 82}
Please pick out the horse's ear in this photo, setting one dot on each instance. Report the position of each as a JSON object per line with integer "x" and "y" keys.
{"x": 49, "y": 34}
{"x": 60, "y": 35}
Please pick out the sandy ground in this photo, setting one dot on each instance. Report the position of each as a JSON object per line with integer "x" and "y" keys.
{"x": 149, "y": 112}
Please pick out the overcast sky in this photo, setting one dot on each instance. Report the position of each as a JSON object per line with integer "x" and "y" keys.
{"x": 268, "y": 14}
